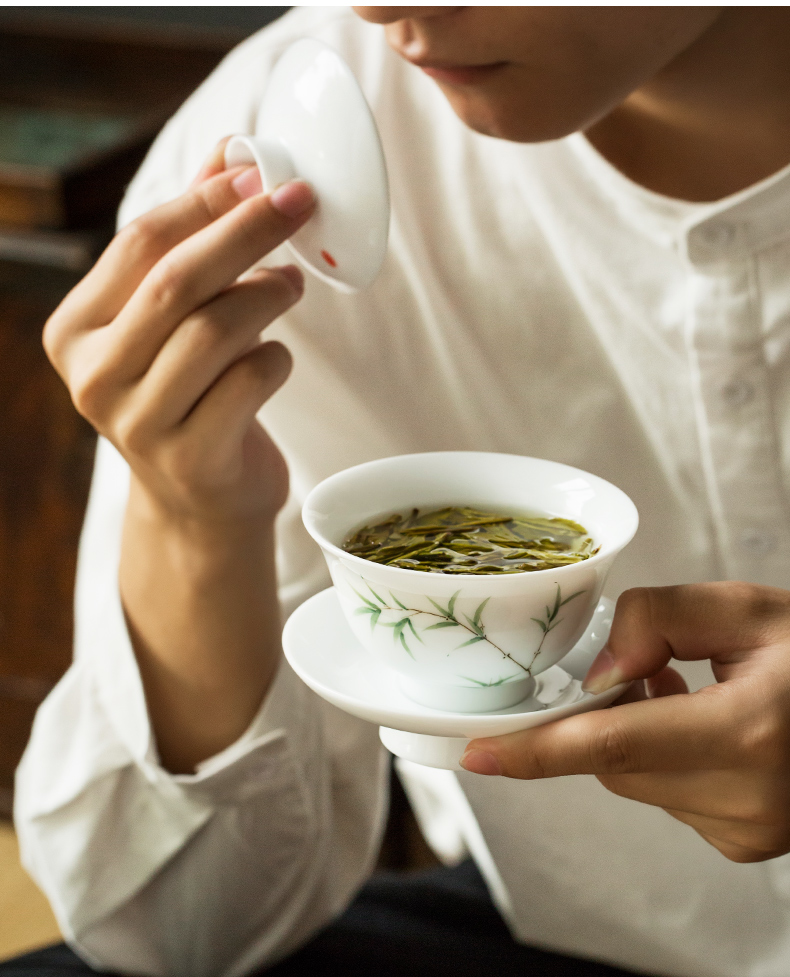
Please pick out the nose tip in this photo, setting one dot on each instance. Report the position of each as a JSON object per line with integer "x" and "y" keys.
{"x": 389, "y": 15}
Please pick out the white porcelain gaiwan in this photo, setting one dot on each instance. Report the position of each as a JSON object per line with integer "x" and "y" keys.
{"x": 315, "y": 124}
{"x": 458, "y": 643}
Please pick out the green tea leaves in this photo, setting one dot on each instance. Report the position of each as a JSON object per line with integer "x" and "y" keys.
{"x": 464, "y": 540}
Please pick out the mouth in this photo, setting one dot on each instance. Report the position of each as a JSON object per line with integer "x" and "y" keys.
{"x": 458, "y": 74}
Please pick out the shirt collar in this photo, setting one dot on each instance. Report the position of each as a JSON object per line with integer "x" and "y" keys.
{"x": 707, "y": 233}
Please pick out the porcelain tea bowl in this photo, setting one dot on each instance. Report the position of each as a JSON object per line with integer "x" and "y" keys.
{"x": 457, "y": 642}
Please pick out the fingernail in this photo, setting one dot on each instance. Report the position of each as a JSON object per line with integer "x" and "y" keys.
{"x": 292, "y": 198}
{"x": 478, "y": 761}
{"x": 603, "y": 674}
{"x": 248, "y": 183}
{"x": 294, "y": 276}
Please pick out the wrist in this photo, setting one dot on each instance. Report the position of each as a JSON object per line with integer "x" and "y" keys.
{"x": 200, "y": 599}
{"x": 214, "y": 532}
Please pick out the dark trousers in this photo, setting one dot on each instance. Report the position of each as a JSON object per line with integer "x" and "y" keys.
{"x": 439, "y": 923}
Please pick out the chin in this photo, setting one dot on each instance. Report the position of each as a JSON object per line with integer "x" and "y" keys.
{"x": 513, "y": 122}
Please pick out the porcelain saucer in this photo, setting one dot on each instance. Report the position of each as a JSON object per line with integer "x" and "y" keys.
{"x": 324, "y": 653}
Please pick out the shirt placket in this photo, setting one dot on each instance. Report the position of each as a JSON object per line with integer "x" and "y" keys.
{"x": 734, "y": 411}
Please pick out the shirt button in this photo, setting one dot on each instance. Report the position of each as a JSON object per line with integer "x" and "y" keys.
{"x": 758, "y": 542}
{"x": 718, "y": 234}
{"x": 737, "y": 393}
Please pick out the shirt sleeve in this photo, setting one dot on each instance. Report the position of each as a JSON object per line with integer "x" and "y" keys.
{"x": 233, "y": 867}
{"x": 214, "y": 873}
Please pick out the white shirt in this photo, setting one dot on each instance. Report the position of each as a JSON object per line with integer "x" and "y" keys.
{"x": 533, "y": 301}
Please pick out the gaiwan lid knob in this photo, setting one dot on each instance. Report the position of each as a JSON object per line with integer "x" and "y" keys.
{"x": 315, "y": 125}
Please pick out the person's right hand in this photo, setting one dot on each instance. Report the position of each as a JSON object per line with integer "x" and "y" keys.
{"x": 160, "y": 348}
{"x": 159, "y": 345}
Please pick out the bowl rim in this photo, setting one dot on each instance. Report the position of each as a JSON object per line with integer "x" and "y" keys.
{"x": 426, "y": 575}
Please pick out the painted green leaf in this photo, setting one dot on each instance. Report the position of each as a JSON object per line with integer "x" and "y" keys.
{"x": 442, "y": 624}
{"x": 397, "y": 626}
{"x": 569, "y": 599}
{"x": 475, "y": 627}
{"x": 479, "y": 611}
{"x": 487, "y": 685}
{"x": 541, "y": 624}
{"x": 406, "y": 648}
{"x": 442, "y": 610}
{"x": 382, "y": 602}
{"x": 474, "y": 681}
{"x": 557, "y": 600}
{"x": 413, "y": 631}
{"x": 364, "y": 599}
{"x": 451, "y": 605}
{"x": 472, "y": 641}
{"x": 402, "y": 606}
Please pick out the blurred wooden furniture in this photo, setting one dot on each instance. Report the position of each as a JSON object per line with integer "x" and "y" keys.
{"x": 78, "y": 109}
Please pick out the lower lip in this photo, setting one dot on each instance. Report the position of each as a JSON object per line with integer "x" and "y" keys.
{"x": 463, "y": 76}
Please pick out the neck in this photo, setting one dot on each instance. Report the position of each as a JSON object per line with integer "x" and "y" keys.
{"x": 716, "y": 119}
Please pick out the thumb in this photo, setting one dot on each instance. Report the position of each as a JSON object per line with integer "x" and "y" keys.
{"x": 724, "y": 622}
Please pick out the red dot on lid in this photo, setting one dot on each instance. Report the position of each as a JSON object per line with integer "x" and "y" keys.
{"x": 329, "y": 259}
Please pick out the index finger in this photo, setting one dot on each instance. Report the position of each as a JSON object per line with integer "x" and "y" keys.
{"x": 199, "y": 268}
{"x": 679, "y": 732}
{"x": 136, "y": 249}
{"x": 726, "y": 622}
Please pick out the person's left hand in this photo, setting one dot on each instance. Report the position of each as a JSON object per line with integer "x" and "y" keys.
{"x": 717, "y": 759}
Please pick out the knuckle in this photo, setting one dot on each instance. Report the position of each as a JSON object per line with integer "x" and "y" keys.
{"x": 765, "y": 741}
{"x": 281, "y": 290}
{"x": 207, "y": 332}
{"x": 52, "y": 336}
{"x": 257, "y": 224}
{"x": 143, "y": 237}
{"x": 532, "y": 766}
{"x": 209, "y": 201}
{"x": 270, "y": 364}
{"x": 611, "y": 750}
{"x": 90, "y": 391}
{"x": 130, "y": 435}
{"x": 249, "y": 372}
{"x": 755, "y": 603}
{"x": 635, "y": 598}
{"x": 63, "y": 323}
{"x": 253, "y": 372}
{"x": 635, "y": 607}
{"x": 169, "y": 282}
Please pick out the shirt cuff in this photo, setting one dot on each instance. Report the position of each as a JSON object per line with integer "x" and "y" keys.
{"x": 103, "y": 645}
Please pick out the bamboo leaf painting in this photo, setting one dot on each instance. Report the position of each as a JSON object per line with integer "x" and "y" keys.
{"x": 406, "y": 621}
